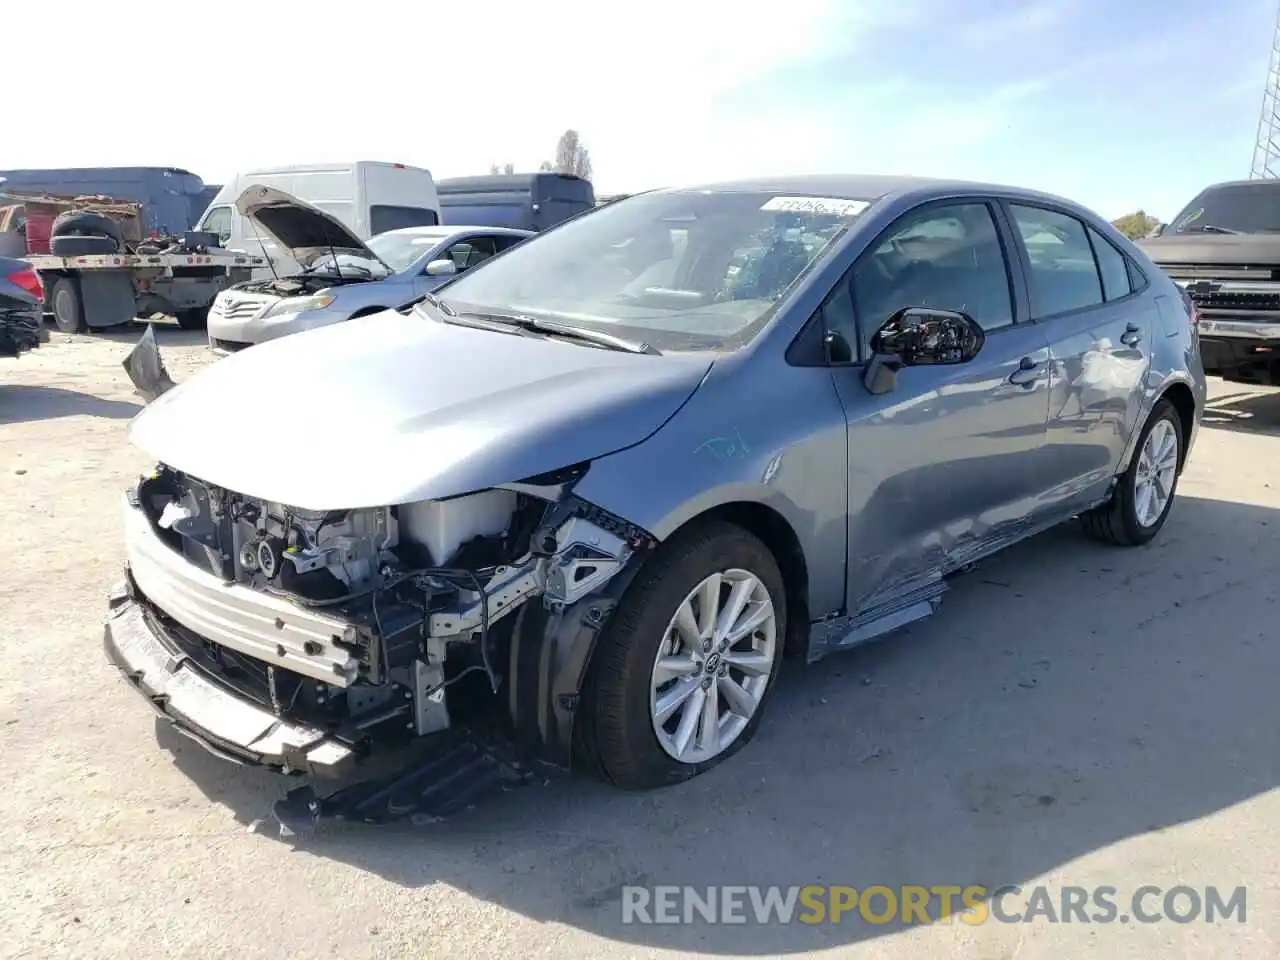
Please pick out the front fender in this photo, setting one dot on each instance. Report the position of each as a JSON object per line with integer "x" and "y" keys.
{"x": 774, "y": 436}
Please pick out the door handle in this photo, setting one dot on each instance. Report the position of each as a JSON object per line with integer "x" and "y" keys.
{"x": 1028, "y": 373}
{"x": 1132, "y": 335}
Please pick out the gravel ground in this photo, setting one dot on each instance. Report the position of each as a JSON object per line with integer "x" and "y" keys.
{"x": 1075, "y": 715}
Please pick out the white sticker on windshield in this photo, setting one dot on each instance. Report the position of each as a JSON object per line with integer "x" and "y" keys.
{"x": 823, "y": 206}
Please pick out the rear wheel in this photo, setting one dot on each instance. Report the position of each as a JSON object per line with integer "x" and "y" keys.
{"x": 679, "y": 681}
{"x": 68, "y": 311}
{"x": 1144, "y": 494}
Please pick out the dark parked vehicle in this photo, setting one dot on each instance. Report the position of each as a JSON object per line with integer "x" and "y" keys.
{"x": 21, "y": 300}
{"x": 1223, "y": 249}
{"x": 171, "y": 199}
{"x": 524, "y": 201}
{"x": 620, "y": 470}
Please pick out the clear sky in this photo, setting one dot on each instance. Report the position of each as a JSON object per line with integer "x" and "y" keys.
{"x": 1119, "y": 104}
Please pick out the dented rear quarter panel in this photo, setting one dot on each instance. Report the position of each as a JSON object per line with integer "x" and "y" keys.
{"x": 1175, "y": 348}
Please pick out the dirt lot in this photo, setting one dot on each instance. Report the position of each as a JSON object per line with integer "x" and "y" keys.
{"x": 1074, "y": 715}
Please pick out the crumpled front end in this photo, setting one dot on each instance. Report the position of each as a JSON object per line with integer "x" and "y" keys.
{"x": 21, "y": 329}
{"x": 309, "y": 640}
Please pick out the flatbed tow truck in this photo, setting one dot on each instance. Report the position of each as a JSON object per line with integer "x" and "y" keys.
{"x": 137, "y": 276}
{"x": 96, "y": 291}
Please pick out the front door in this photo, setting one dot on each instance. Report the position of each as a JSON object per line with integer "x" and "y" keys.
{"x": 1081, "y": 291}
{"x": 941, "y": 468}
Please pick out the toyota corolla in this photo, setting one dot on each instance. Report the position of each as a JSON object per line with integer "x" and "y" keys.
{"x": 620, "y": 473}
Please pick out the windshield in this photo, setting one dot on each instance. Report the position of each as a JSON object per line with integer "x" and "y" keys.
{"x": 399, "y": 250}
{"x": 1236, "y": 207}
{"x": 349, "y": 263}
{"x": 678, "y": 270}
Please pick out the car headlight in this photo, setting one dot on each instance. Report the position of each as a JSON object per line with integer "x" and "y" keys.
{"x": 317, "y": 301}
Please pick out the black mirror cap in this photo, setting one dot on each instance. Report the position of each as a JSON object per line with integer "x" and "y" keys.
{"x": 924, "y": 336}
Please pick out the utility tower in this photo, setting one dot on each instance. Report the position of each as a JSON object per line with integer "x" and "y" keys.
{"x": 1266, "y": 149}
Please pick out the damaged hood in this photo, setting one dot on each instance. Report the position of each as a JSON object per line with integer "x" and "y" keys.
{"x": 1214, "y": 248}
{"x": 306, "y": 232}
{"x": 390, "y": 409}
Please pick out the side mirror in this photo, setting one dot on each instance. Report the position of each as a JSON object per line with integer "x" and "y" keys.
{"x": 921, "y": 336}
{"x": 441, "y": 268}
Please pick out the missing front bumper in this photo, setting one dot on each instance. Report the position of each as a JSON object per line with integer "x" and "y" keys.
{"x": 440, "y": 779}
{"x": 220, "y": 720}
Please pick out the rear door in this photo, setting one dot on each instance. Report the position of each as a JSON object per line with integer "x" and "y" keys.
{"x": 1083, "y": 293}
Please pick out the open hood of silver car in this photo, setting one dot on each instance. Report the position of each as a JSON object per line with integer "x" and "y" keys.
{"x": 391, "y": 409}
{"x": 306, "y": 232}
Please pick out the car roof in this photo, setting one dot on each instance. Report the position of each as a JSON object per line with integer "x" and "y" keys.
{"x": 870, "y": 187}
{"x": 1241, "y": 183}
{"x": 449, "y": 230}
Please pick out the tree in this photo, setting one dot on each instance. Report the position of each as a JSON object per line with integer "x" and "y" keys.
{"x": 507, "y": 168}
{"x": 572, "y": 157}
{"x": 546, "y": 166}
{"x": 1136, "y": 225}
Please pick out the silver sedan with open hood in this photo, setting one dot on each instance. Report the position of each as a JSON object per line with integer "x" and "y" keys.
{"x": 341, "y": 277}
{"x": 604, "y": 483}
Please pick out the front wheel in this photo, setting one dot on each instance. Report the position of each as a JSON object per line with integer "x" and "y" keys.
{"x": 680, "y": 678}
{"x": 1143, "y": 496}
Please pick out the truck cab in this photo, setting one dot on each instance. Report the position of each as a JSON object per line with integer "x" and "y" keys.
{"x": 1223, "y": 249}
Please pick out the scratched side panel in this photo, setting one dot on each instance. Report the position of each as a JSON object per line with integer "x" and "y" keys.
{"x": 758, "y": 431}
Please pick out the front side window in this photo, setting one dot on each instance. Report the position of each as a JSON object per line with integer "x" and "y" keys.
{"x": 469, "y": 253}
{"x": 947, "y": 256}
{"x": 678, "y": 269}
{"x": 218, "y": 220}
{"x": 1064, "y": 276}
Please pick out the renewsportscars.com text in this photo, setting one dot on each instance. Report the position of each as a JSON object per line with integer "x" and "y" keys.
{"x": 974, "y": 905}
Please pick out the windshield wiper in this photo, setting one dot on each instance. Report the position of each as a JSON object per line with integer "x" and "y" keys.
{"x": 1211, "y": 228}
{"x": 436, "y": 302}
{"x": 553, "y": 329}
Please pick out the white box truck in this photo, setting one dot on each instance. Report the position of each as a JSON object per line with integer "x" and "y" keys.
{"x": 368, "y": 196}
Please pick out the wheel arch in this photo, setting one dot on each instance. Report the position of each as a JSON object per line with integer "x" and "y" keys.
{"x": 1184, "y": 401}
{"x": 551, "y": 655}
{"x": 1182, "y": 395}
{"x": 773, "y": 529}
{"x": 366, "y": 312}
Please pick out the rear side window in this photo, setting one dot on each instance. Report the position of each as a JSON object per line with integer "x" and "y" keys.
{"x": 1113, "y": 266}
{"x": 1064, "y": 275}
{"x": 384, "y": 217}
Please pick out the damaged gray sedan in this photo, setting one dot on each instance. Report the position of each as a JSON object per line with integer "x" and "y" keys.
{"x": 607, "y": 480}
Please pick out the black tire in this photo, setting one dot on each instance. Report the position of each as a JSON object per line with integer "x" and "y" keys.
{"x": 86, "y": 223}
{"x": 74, "y": 245}
{"x": 68, "y": 311}
{"x": 1116, "y": 522}
{"x": 196, "y": 319}
{"x": 616, "y": 735}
